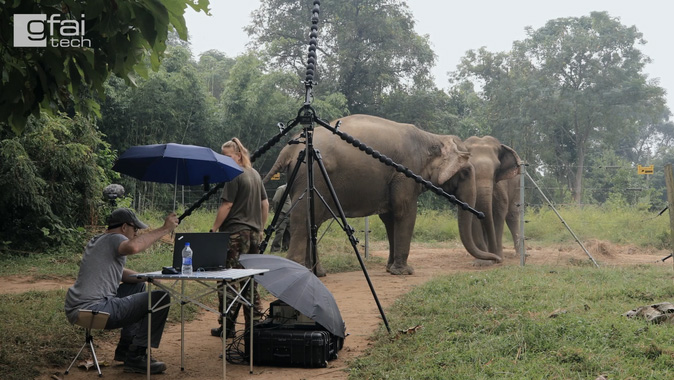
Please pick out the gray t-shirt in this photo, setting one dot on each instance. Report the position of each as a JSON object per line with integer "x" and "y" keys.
{"x": 99, "y": 276}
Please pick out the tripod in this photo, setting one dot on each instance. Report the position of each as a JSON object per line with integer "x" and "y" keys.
{"x": 307, "y": 117}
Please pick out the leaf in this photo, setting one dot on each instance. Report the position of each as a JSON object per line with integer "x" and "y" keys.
{"x": 557, "y": 313}
{"x": 412, "y": 330}
{"x": 86, "y": 364}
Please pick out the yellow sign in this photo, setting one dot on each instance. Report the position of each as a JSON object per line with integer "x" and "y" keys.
{"x": 276, "y": 177}
{"x": 645, "y": 169}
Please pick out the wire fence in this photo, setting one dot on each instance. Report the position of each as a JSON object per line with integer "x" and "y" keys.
{"x": 167, "y": 197}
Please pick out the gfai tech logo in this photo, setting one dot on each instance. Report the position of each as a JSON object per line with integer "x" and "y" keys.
{"x": 38, "y": 30}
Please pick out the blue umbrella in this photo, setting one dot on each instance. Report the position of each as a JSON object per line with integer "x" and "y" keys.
{"x": 176, "y": 163}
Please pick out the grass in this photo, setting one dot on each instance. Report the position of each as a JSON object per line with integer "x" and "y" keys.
{"x": 491, "y": 324}
{"x": 498, "y": 324}
{"x": 623, "y": 226}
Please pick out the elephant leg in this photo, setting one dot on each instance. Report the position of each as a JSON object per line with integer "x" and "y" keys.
{"x": 513, "y": 215}
{"x": 387, "y": 219}
{"x": 484, "y": 203}
{"x": 299, "y": 247}
{"x": 403, "y": 227}
{"x": 513, "y": 221}
{"x": 500, "y": 206}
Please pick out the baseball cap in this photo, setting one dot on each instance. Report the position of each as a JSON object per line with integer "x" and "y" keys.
{"x": 124, "y": 215}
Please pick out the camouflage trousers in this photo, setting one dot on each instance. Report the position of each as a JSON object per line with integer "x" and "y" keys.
{"x": 241, "y": 242}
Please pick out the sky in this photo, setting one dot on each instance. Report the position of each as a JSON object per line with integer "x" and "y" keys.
{"x": 455, "y": 27}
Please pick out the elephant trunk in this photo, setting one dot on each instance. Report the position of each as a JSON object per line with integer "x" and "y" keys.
{"x": 466, "y": 234}
{"x": 467, "y": 191}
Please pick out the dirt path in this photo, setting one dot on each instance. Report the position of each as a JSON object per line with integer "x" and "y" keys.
{"x": 356, "y": 304}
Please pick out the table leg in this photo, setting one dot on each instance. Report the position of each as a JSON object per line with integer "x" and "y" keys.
{"x": 149, "y": 326}
{"x": 224, "y": 330}
{"x": 252, "y": 321}
{"x": 182, "y": 326}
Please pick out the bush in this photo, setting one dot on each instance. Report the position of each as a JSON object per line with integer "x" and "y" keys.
{"x": 52, "y": 183}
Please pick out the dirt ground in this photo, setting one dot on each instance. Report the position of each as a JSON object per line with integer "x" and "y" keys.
{"x": 356, "y": 304}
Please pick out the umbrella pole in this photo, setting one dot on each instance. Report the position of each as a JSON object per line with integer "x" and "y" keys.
{"x": 175, "y": 188}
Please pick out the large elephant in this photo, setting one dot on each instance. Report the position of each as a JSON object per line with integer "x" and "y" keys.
{"x": 365, "y": 186}
{"x": 497, "y": 182}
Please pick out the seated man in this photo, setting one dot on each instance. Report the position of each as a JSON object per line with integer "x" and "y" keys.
{"x": 98, "y": 288}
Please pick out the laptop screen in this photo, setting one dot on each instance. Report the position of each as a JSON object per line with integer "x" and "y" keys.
{"x": 209, "y": 249}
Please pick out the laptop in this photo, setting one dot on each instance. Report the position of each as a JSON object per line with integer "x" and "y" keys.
{"x": 209, "y": 250}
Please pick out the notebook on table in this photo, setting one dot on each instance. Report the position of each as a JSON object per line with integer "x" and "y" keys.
{"x": 209, "y": 250}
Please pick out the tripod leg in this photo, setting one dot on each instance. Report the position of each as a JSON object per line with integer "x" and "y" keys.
{"x": 349, "y": 231}
{"x": 90, "y": 339}
{"x": 311, "y": 192}
{"x": 76, "y": 356}
{"x": 286, "y": 194}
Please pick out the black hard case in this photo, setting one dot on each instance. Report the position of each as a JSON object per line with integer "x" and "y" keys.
{"x": 292, "y": 347}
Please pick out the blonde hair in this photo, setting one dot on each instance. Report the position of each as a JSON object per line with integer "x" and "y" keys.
{"x": 235, "y": 144}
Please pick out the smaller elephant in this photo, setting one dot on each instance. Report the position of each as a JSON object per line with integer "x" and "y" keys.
{"x": 497, "y": 177}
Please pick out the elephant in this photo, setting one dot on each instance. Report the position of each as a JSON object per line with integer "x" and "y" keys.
{"x": 366, "y": 187}
{"x": 497, "y": 182}
{"x": 512, "y": 217}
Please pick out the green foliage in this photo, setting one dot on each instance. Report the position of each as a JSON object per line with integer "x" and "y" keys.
{"x": 429, "y": 109}
{"x": 499, "y": 324}
{"x": 121, "y": 33}
{"x": 619, "y": 225}
{"x": 36, "y": 334}
{"x": 254, "y": 101}
{"x": 171, "y": 105}
{"x": 435, "y": 226}
{"x": 367, "y": 49}
{"x": 214, "y": 67}
{"x": 485, "y": 324}
{"x": 569, "y": 93}
{"x": 52, "y": 182}
{"x": 24, "y": 349}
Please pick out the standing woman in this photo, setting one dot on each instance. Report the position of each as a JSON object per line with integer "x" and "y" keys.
{"x": 243, "y": 215}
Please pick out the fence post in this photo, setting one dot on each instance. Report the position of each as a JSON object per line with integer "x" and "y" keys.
{"x": 562, "y": 219}
{"x": 367, "y": 236}
{"x": 522, "y": 248}
{"x": 669, "y": 180}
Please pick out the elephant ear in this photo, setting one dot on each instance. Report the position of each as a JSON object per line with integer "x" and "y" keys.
{"x": 451, "y": 162}
{"x": 510, "y": 164}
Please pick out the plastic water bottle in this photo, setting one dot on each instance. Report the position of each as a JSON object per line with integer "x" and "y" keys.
{"x": 187, "y": 260}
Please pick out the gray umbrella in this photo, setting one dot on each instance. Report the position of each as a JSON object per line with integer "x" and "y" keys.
{"x": 297, "y": 286}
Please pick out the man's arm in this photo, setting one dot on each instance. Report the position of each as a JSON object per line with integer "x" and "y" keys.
{"x": 223, "y": 211}
{"x": 264, "y": 209}
{"x": 128, "y": 277}
{"x": 142, "y": 242}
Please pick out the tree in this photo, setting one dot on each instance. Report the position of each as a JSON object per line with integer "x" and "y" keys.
{"x": 253, "y": 102}
{"x": 171, "y": 105}
{"x": 52, "y": 178}
{"x": 115, "y": 37}
{"x": 366, "y": 49}
{"x": 571, "y": 88}
{"x": 214, "y": 69}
